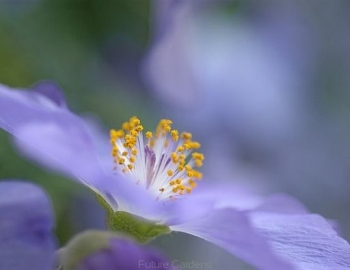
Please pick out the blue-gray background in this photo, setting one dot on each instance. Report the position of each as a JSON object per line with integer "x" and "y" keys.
{"x": 263, "y": 85}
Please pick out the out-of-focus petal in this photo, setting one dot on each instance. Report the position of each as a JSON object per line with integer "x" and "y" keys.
{"x": 307, "y": 240}
{"x": 169, "y": 59}
{"x": 26, "y": 221}
{"x": 231, "y": 230}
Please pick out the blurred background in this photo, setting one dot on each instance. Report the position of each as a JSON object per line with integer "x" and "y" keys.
{"x": 263, "y": 85}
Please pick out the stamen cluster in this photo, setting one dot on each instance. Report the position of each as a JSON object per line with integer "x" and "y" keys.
{"x": 163, "y": 162}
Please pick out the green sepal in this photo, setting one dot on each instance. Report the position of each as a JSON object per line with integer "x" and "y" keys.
{"x": 140, "y": 229}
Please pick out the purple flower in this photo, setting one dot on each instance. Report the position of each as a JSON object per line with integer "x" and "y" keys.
{"x": 95, "y": 250}
{"x": 272, "y": 233}
{"x": 26, "y": 223}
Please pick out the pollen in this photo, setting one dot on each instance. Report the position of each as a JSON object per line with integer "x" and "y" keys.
{"x": 163, "y": 162}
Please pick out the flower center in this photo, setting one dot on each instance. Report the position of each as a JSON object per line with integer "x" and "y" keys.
{"x": 162, "y": 162}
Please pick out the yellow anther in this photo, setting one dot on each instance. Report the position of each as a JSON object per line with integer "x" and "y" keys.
{"x": 112, "y": 132}
{"x": 131, "y": 142}
{"x": 174, "y": 134}
{"x": 149, "y": 135}
{"x": 114, "y": 152}
{"x": 188, "y": 168}
{"x": 175, "y": 189}
{"x": 197, "y": 174}
{"x": 139, "y": 128}
{"x": 134, "y": 121}
{"x": 170, "y": 172}
{"x": 180, "y": 149}
{"x": 171, "y": 183}
{"x": 186, "y": 135}
{"x": 192, "y": 183}
{"x": 190, "y": 173}
{"x": 178, "y": 181}
{"x": 121, "y": 161}
{"x": 131, "y": 145}
{"x": 174, "y": 157}
{"x": 133, "y": 132}
{"x": 198, "y": 163}
{"x": 130, "y": 166}
{"x": 181, "y": 187}
{"x": 126, "y": 126}
{"x": 124, "y": 153}
{"x": 117, "y": 133}
{"x": 195, "y": 145}
{"x": 198, "y": 156}
{"x": 132, "y": 159}
{"x": 188, "y": 190}
{"x": 134, "y": 151}
{"x": 164, "y": 126}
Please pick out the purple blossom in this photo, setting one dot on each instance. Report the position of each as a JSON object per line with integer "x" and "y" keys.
{"x": 26, "y": 223}
{"x": 272, "y": 233}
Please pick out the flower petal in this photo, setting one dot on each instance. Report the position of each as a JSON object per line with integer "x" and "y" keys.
{"x": 26, "y": 221}
{"x": 204, "y": 199}
{"x": 231, "y": 230}
{"x": 48, "y": 133}
{"x": 276, "y": 231}
{"x": 55, "y": 137}
{"x": 228, "y": 195}
{"x": 307, "y": 240}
